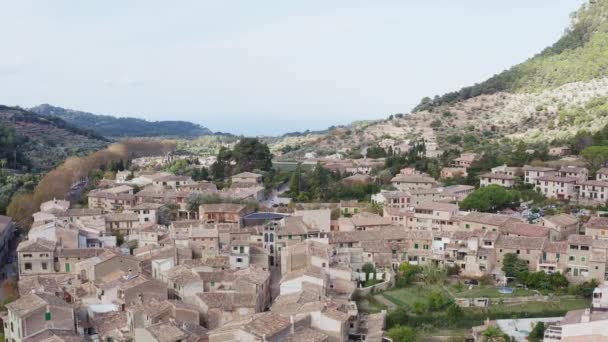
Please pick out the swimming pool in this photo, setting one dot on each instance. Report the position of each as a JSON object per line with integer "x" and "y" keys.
{"x": 505, "y": 290}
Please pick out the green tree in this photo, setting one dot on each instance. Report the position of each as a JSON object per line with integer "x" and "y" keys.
{"x": 596, "y": 156}
{"x": 402, "y": 333}
{"x": 368, "y": 268}
{"x": 251, "y": 154}
{"x": 407, "y": 273}
{"x": 491, "y": 198}
{"x": 434, "y": 274}
{"x": 493, "y": 334}
{"x": 538, "y": 333}
{"x": 512, "y": 266}
{"x": 375, "y": 152}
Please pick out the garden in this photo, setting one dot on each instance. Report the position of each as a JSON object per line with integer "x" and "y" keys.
{"x": 423, "y": 301}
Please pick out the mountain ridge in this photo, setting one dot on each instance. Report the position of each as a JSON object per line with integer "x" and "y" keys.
{"x": 121, "y": 127}
{"x": 548, "y": 99}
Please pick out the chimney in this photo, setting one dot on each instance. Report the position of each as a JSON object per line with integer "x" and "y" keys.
{"x": 293, "y": 329}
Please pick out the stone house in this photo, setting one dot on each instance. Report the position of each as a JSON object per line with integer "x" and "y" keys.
{"x": 148, "y": 313}
{"x": 529, "y": 249}
{"x": 597, "y": 227}
{"x": 554, "y": 257}
{"x": 239, "y": 254}
{"x": 465, "y": 160}
{"x": 452, "y": 172}
{"x": 602, "y": 174}
{"x": 246, "y": 179}
{"x": 593, "y": 191}
{"x": 392, "y": 199}
{"x": 586, "y": 258}
{"x": 532, "y": 173}
{"x": 405, "y": 183}
{"x": 507, "y": 170}
{"x": 484, "y": 221}
{"x": 503, "y": 180}
{"x": 36, "y": 257}
{"x": 33, "y": 313}
{"x": 563, "y": 225}
{"x": 562, "y": 188}
{"x": 559, "y": 151}
{"x": 111, "y": 200}
{"x": 147, "y": 212}
{"x": 581, "y": 173}
{"x": 222, "y": 213}
{"x": 123, "y": 222}
{"x": 434, "y": 216}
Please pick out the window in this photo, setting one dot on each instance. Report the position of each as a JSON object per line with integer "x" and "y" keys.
{"x": 416, "y": 246}
{"x": 241, "y": 249}
{"x": 239, "y": 259}
{"x": 27, "y": 255}
{"x": 583, "y": 259}
{"x": 44, "y": 266}
{"x": 571, "y": 258}
{"x": 467, "y": 226}
{"x": 28, "y": 266}
{"x": 67, "y": 267}
{"x": 47, "y": 316}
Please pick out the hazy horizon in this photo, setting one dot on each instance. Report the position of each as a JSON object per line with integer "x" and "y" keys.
{"x": 263, "y": 68}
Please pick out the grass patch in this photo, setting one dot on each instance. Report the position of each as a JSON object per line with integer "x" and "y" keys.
{"x": 559, "y": 304}
{"x": 407, "y": 296}
{"x": 369, "y": 304}
{"x": 487, "y": 291}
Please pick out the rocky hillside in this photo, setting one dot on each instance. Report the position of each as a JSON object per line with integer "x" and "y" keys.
{"x": 110, "y": 126}
{"x": 31, "y": 141}
{"x": 546, "y": 99}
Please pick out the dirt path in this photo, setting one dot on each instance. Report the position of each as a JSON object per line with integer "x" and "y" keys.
{"x": 389, "y": 305}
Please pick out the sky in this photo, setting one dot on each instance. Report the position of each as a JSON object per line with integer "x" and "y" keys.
{"x": 262, "y": 67}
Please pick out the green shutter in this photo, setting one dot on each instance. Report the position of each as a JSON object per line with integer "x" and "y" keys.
{"x": 47, "y": 316}
{"x": 242, "y": 249}
{"x": 67, "y": 267}
{"x": 416, "y": 246}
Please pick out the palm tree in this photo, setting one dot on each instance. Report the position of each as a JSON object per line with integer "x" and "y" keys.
{"x": 492, "y": 334}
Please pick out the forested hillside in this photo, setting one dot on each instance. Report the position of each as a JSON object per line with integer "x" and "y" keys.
{"x": 550, "y": 99}
{"x": 31, "y": 142}
{"x": 579, "y": 56}
{"x": 110, "y": 126}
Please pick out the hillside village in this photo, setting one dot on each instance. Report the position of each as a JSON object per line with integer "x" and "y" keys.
{"x": 481, "y": 216}
{"x": 154, "y": 256}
